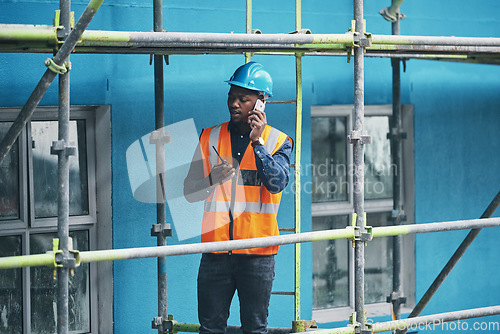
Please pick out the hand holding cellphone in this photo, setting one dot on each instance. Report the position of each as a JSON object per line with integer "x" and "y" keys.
{"x": 259, "y": 105}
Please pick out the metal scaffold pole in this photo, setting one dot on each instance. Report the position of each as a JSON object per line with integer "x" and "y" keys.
{"x": 161, "y": 229}
{"x": 357, "y": 139}
{"x": 396, "y": 136}
{"x": 297, "y": 169}
{"x": 63, "y": 151}
{"x": 297, "y": 190}
{"x": 248, "y": 55}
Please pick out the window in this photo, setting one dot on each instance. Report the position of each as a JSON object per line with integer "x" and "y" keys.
{"x": 28, "y": 220}
{"x": 332, "y": 207}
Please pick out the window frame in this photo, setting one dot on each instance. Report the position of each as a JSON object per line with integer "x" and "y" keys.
{"x": 22, "y": 221}
{"x": 372, "y": 206}
{"x": 98, "y": 132}
{"x": 77, "y": 113}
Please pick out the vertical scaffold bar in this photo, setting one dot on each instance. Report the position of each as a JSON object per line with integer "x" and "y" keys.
{"x": 63, "y": 181}
{"x": 298, "y": 143}
{"x": 47, "y": 78}
{"x": 397, "y": 159}
{"x": 161, "y": 239}
{"x": 358, "y": 173}
{"x": 298, "y": 15}
{"x": 298, "y": 152}
{"x": 248, "y": 55}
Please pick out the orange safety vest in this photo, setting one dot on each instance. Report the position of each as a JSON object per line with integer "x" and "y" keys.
{"x": 253, "y": 207}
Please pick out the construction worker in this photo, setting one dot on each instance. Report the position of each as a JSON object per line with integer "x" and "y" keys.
{"x": 239, "y": 170}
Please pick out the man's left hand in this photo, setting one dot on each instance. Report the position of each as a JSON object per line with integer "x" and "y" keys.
{"x": 258, "y": 122}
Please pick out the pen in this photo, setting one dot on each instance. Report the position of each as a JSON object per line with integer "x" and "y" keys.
{"x": 223, "y": 161}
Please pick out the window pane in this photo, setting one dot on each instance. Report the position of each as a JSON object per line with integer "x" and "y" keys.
{"x": 11, "y": 293}
{"x": 330, "y": 265}
{"x": 9, "y": 179}
{"x": 44, "y": 289}
{"x": 45, "y": 169}
{"x": 329, "y": 159}
{"x": 378, "y": 262}
{"x": 378, "y": 172}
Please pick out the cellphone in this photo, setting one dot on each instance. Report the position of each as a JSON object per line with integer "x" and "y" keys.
{"x": 259, "y": 105}
{"x": 223, "y": 161}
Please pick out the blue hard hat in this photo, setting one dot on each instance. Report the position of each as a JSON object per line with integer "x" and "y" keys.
{"x": 253, "y": 76}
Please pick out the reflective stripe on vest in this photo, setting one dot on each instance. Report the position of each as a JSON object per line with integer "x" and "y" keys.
{"x": 272, "y": 140}
{"x": 240, "y": 207}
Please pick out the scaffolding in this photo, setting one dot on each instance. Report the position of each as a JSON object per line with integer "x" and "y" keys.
{"x": 64, "y": 39}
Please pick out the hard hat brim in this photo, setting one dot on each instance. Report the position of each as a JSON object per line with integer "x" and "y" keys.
{"x": 239, "y": 84}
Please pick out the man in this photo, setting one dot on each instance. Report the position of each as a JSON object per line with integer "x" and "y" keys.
{"x": 240, "y": 170}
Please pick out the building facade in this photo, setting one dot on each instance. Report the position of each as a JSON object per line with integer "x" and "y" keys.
{"x": 451, "y": 158}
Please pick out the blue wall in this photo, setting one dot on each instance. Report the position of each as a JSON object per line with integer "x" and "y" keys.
{"x": 456, "y": 132}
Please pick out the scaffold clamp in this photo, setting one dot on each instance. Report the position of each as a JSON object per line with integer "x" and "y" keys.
{"x": 362, "y": 41}
{"x": 352, "y": 320}
{"x": 59, "y": 69}
{"x": 56, "y": 21}
{"x": 71, "y": 261}
{"x": 397, "y": 134}
{"x": 165, "y": 56}
{"x": 299, "y": 326}
{"x": 396, "y": 298}
{"x": 67, "y": 262}
{"x": 301, "y": 31}
{"x": 399, "y": 215}
{"x": 364, "y": 235}
{"x": 161, "y": 229}
{"x": 159, "y": 136}
{"x": 60, "y": 146}
{"x": 357, "y": 135}
{"x": 169, "y": 325}
{"x": 164, "y": 325}
{"x": 358, "y": 329}
{"x": 391, "y": 16}
{"x": 157, "y": 322}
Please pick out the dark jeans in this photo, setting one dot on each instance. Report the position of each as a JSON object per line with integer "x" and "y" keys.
{"x": 220, "y": 275}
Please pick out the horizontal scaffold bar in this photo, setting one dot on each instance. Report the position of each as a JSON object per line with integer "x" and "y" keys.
{"x": 428, "y": 323}
{"x": 437, "y": 320}
{"x": 125, "y": 38}
{"x": 38, "y": 38}
{"x": 174, "y": 326}
{"x": 435, "y": 40}
{"x": 386, "y": 231}
{"x": 207, "y": 247}
{"x": 31, "y": 33}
